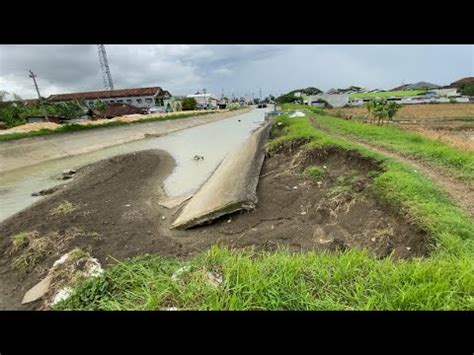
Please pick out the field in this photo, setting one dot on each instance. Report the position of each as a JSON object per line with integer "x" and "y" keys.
{"x": 450, "y": 123}
{"x": 401, "y": 93}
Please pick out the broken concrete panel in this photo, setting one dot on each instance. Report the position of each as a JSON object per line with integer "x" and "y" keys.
{"x": 232, "y": 186}
{"x": 172, "y": 202}
{"x": 37, "y": 291}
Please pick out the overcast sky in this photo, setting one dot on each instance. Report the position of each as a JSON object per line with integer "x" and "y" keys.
{"x": 183, "y": 69}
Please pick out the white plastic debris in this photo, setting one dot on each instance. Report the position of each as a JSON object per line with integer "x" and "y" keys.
{"x": 297, "y": 114}
{"x": 62, "y": 294}
{"x": 179, "y": 272}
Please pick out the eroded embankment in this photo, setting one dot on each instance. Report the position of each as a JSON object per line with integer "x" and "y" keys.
{"x": 307, "y": 200}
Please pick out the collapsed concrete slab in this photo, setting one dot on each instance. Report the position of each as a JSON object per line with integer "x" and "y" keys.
{"x": 232, "y": 186}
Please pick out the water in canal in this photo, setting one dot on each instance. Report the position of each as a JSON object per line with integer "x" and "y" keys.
{"x": 213, "y": 141}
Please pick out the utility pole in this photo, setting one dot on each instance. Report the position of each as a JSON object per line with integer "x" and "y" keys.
{"x": 33, "y": 75}
{"x": 260, "y": 91}
{"x": 205, "y": 98}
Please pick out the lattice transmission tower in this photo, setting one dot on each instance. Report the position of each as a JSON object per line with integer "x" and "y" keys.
{"x": 104, "y": 65}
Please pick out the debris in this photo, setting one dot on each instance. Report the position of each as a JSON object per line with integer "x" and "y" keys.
{"x": 232, "y": 186}
{"x": 169, "y": 309}
{"x": 127, "y": 205}
{"x": 229, "y": 220}
{"x": 172, "y": 202}
{"x": 37, "y": 291}
{"x": 62, "y": 294}
{"x": 325, "y": 167}
{"x": 163, "y": 217}
{"x": 46, "y": 191}
{"x": 179, "y": 272}
{"x": 295, "y": 187}
{"x": 214, "y": 279}
{"x": 408, "y": 248}
{"x": 198, "y": 157}
{"x": 373, "y": 239}
{"x": 297, "y": 114}
{"x": 303, "y": 213}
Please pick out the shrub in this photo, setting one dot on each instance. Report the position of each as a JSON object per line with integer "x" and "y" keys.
{"x": 189, "y": 104}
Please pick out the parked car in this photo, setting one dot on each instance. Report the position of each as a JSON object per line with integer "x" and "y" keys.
{"x": 262, "y": 105}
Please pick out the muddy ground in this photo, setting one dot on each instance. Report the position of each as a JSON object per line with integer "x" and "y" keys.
{"x": 112, "y": 210}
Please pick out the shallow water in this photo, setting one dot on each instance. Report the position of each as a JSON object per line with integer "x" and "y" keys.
{"x": 213, "y": 141}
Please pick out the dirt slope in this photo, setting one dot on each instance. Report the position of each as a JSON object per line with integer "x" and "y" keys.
{"x": 461, "y": 192}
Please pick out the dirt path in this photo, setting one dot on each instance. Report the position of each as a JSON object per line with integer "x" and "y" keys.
{"x": 460, "y": 191}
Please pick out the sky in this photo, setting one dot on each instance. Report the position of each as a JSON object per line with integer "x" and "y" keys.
{"x": 237, "y": 69}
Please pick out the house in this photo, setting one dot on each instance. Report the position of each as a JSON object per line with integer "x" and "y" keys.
{"x": 205, "y": 100}
{"x": 335, "y": 100}
{"x": 138, "y": 97}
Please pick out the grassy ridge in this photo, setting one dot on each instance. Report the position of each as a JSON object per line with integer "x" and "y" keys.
{"x": 308, "y": 281}
{"x": 458, "y": 162}
{"x": 74, "y": 127}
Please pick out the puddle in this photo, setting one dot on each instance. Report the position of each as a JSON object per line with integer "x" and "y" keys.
{"x": 213, "y": 141}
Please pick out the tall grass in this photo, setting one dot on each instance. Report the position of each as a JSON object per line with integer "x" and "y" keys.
{"x": 280, "y": 281}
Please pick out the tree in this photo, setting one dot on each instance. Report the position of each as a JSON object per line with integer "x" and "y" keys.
{"x": 17, "y": 97}
{"x": 381, "y": 108}
{"x": 3, "y": 94}
{"x": 467, "y": 89}
{"x": 189, "y": 104}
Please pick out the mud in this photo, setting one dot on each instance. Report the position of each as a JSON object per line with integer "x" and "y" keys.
{"x": 116, "y": 213}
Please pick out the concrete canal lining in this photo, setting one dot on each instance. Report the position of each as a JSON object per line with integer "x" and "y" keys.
{"x": 30, "y": 151}
{"x": 231, "y": 187}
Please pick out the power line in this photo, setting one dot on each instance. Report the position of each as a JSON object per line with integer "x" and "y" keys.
{"x": 33, "y": 76}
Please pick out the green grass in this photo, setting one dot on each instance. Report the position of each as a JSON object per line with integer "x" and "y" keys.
{"x": 313, "y": 109}
{"x": 280, "y": 281}
{"x": 73, "y": 127}
{"x": 344, "y": 280}
{"x": 458, "y": 162}
{"x": 314, "y": 172}
{"x": 401, "y": 93}
{"x": 65, "y": 207}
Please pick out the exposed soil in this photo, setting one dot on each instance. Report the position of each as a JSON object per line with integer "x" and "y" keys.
{"x": 113, "y": 211}
{"x": 460, "y": 191}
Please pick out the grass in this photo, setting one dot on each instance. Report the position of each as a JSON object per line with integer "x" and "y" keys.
{"x": 65, "y": 207}
{"x": 344, "y": 280}
{"x": 280, "y": 281}
{"x": 20, "y": 240}
{"x": 314, "y": 172}
{"x": 458, "y": 162}
{"x": 400, "y": 93}
{"x": 74, "y": 127}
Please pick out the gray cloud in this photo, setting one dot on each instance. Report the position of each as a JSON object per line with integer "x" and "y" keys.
{"x": 182, "y": 69}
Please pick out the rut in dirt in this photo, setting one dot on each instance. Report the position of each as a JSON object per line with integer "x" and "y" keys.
{"x": 461, "y": 192}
